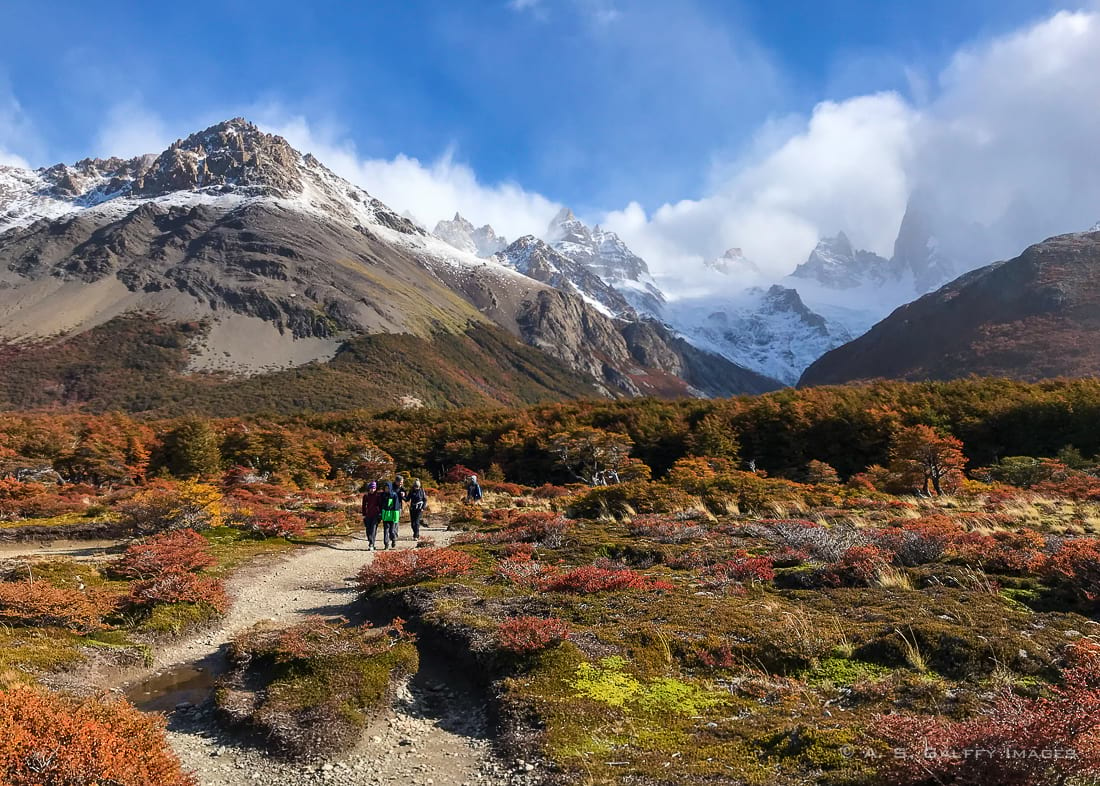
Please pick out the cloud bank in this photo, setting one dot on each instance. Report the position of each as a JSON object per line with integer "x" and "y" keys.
{"x": 1006, "y": 139}
{"x": 429, "y": 191}
{"x": 1003, "y": 141}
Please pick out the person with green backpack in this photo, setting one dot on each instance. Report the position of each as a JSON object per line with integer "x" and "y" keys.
{"x": 391, "y": 515}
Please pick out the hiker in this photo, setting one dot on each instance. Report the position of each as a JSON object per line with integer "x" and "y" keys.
{"x": 391, "y": 515}
{"x": 418, "y": 500}
{"x": 473, "y": 490}
{"x": 372, "y": 511}
{"x": 400, "y": 490}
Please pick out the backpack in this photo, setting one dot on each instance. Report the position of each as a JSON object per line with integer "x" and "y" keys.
{"x": 390, "y": 511}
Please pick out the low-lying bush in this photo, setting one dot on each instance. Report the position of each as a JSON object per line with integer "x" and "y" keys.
{"x": 628, "y": 499}
{"x": 168, "y": 505}
{"x": 179, "y": 586}
{"x": 1016, "y": 741}
{"x": 40, "y": 604}
{"x": 52, "y": 740}
{"x": 1077, "y": 565}
{"x": 666, "y": 529}
{"x": 183, "y": 550}
{"x": 401, "y": 568}
{"x": 594, "y": 578}
{"x": 311, "y": 688}
{"x": 742, "y": 569}
{"x": 524, "y": 635}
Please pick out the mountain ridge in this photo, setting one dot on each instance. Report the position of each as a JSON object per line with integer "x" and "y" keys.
{"x": 233, "y": 227}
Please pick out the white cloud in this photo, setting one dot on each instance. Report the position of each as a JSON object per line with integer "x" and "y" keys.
{"x": 17, "y": 138}
{"x": 131, "y": 129}
{"x": 599, "y": 12}
{"x": 1006, "y": 137}
{"x": 845, "y": 169}
{"x": 430, "y": 191}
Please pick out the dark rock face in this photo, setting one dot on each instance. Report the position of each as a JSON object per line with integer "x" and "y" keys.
{"x": 1033, "y": 317}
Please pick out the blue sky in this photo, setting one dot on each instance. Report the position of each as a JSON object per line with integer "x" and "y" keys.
{"x": 591, "y": 103}
{"x": 635, "y": 112}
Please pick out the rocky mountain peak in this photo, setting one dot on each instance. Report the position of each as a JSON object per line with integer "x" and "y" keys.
{"x": 567, "y": 228}
{"x": 732, "y": 263}
{"x": 837, "y": 264}
{"x": 539, "y": 260}
{"x": 234, "y": 153}
{"x": 460, "y": 233}
{"x": 1095, "y": 227}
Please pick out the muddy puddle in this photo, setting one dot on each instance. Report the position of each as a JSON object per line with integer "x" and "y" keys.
{"x": 164, "y": 691}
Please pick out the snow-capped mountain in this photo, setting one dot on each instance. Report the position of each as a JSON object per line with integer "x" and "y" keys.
{"x": 606, "y": 255}
{"x": 460, "y": 233}
{"x": 283, "y": 263}
{"x": 836, "y": 264}
{"x": 535, "y": 258}
{"x": 735, "y": 264}
{"x": 227, "y": 165}
{"x": 768, "y": 330}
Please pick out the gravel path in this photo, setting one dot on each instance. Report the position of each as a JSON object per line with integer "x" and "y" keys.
{"x": 436, "y": 733}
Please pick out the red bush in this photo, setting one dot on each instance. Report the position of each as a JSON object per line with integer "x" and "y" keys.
{"x": 521, "y": 550}
{"x": 590, "y": 578}
{"x": 666, "y": 529}
{"x": 549, "y": 491}
{"x": 743, "y": 568}
{"x": 184, "y": 550}
{"x": 531, "y": 634}
{"x": 278, "y": 524}
{"x": 1016, "y": 741}
{"x": 1001, "y": 552}
{"x": 1077, "y": 564}
{"x": 458, "y": 474}
{"x": 400, "y": 568}
{"x": 511, "y": 489}
{"x": 40, "y": 604}
{"x": 521, "y": 569}
{"x": 860, "y": 564}
{"x": 179, "y": 586}
{"x": 50, "y": 740}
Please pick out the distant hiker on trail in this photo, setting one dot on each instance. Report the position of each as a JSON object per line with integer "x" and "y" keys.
{"x": 473, "y": 490}
{"x": 372, "y": 511}
{"x": 418, "y": 500}
{"x": 391, "y": 515}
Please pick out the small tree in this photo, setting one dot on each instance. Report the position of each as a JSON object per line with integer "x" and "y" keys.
{"x": 821, "y": 474}
{"x": 592, "y": 455}
{"x": 714, "y": 437}
{"x": 922, "y": 456}
{"x": 192, "y": 449}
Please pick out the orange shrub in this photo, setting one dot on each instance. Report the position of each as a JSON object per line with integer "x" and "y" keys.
{"x": 179, "y": 586}
{"x": 40, "y": 604}
{"x": 184, "y": 550}
{"x": 1077, "y": 564}
{"x": 400, "y": 568}
{"x": 51, "y": 740}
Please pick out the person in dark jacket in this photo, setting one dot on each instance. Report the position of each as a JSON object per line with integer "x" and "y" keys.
{"x": 372, "y": 512}
{"x": 391, "y": 515}
{"x": 400, "y": 490}
{"x": 473, "y": 490}
{"x": 418, "y": 501}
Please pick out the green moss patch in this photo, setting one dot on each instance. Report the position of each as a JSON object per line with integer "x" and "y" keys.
{"x": 311, "y": 689}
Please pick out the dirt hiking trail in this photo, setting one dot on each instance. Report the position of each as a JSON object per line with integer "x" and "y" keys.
{"x": 436, "y": 733}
